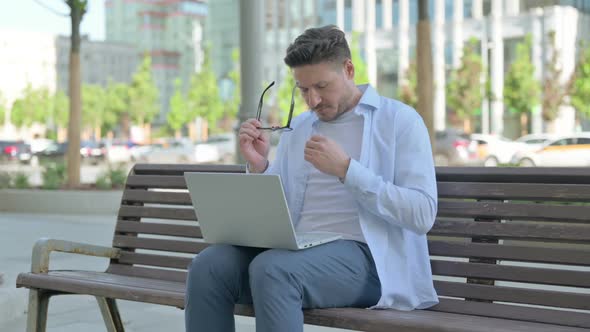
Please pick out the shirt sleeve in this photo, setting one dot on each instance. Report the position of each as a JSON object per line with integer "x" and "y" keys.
{"x": 410, "y": 201}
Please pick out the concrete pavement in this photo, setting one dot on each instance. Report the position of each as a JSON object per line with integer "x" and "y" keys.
{"x": 18, "y": 233}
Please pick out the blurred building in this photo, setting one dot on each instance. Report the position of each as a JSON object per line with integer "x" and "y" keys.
{"x": 170, "y": 31}
{"x": 388, "y": 40}
{"x": 42, "y": 60}
{"x": 100, "y": 61}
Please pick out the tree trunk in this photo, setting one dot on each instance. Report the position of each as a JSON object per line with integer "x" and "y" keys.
{"x": 125, "y": 125}
{"x": 97, "y": 133}
{"x": 73, "y": 159}
{"x": 467, "y": 125}
{"x": 524, "y": 124}
{"x": 147, "y": 133}
{"x": 424, "y": 67}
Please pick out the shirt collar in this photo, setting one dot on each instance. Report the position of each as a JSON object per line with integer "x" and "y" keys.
{"x": 370, "y": 97}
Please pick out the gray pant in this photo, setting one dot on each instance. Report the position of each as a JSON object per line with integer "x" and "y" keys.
{"x": 278, "y": 282}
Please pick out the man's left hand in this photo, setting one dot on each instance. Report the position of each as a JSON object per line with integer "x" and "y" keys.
{"x": 327, "y": 156}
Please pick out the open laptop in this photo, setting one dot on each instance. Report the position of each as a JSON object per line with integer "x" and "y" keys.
{"x": 247, "y": 210}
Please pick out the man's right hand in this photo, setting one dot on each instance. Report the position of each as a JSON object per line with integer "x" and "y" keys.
{"x": 254, "y": 145}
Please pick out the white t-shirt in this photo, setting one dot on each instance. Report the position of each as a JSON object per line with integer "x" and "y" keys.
{"x": 327, "y": 204}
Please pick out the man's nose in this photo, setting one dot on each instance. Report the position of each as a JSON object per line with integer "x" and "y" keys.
{"x": 313, "y": 98}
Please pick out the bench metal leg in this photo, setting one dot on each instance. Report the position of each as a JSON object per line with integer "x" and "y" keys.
{"x": 37, "y": 314}
{"x": 110, "y": 314}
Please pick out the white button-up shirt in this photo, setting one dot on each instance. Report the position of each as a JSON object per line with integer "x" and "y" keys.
{"x": 394, "y": 186}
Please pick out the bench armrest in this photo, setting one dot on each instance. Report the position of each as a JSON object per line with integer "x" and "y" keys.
{"x": 44, "y": 246}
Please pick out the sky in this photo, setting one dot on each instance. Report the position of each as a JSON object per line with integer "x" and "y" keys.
{"x": 29, "y": 15}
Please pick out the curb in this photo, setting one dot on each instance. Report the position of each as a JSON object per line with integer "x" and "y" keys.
{"x": 60, "y": 201}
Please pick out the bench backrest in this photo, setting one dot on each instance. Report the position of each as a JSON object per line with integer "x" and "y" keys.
{"x": 503, "y": 238}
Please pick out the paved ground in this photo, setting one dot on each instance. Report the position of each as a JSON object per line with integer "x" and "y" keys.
{"x": 18, "y": 232}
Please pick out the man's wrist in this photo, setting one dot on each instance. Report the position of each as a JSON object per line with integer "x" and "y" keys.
{"x": 342, "y": 175}
{"x": 256, "y": 169}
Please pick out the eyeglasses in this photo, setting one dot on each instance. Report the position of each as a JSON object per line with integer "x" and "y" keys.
{"x": 287, "y": 127}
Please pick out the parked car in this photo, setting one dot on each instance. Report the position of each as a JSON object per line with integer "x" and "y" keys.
{"x": 116, "y": 151}
{"x": 568, "y": 150}
{"x": 15, "y": 151}
{"x": 90, "y": 152}
{"x": 494, "y": 150}
{"x": 535, "y": 141}
{"x": 181, "y": 151}
{"x": 454, "y": 148}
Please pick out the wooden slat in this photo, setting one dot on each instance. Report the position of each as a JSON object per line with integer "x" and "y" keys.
{"x": 515, "y": 191}
{"x": 541, "y": 315}
{"x": 68, "y": 285}
{"x": 126, "y": 226}
{"x": 180, "y": 169}
{"x": 156, "y": 197}
{"x": 512, "y": 273}
{"x": 122, "y": 241}
{"x": 157, "y": 212}
{"x": 579, "y": 257}
{"x": 146, "y": 272}
{"x": 513, "y": 294}
{"x": 514, "y": 211}
{"x": 156, "y": 181}
{"x": 556, "y": 175}
{"x": 128, "y": 257}
{"x": 511, "y": 230}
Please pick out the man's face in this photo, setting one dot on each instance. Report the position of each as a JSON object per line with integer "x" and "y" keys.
{"x": 326, "y": 87}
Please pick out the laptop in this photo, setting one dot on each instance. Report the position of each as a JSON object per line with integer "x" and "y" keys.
{"x": 247, "y": 210}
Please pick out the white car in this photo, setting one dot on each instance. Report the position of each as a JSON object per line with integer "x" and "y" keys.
{"x": 536, "y": 141}
{"x": 225, "y": 144}
{"x": 181, "y": 152}
{"x": 495, "y": 150}
{"x": 568, "y": 150}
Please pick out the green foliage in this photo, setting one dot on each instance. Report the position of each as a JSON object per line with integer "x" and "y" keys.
{"x": 464, "y": 95}
{"x": 284, "y": 97}
{"x": 111, "y": 179}
{"x": 116, "y": 102}
{"x": 21, "y": 181}
{"x": 580, "y": 93}
{"x": 232, "y": 105}
{"x": 203, "y": 95}
{"x": 521, "y": 89}
{"x": 33, "y": 106}
{"x": 53, "y": 176}
{"x": 5, "y": 180}
{"x": 177, "y": 117}
{"x": 361, "y": 75}
{"x": 554, "y": 92}
{"x": 2, "y": 109}
{"x": 143, "y": 94}
{"x": 408, "y": 93}
{"x": 95, "y": 113}
{"x": 60, "y": 111}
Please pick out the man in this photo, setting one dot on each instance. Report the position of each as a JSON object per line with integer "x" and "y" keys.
{"x": 357, "y": 164}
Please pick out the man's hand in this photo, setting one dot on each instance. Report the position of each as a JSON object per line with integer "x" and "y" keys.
{"x": 254, "y": 145}
{"x": 327, "y": 156}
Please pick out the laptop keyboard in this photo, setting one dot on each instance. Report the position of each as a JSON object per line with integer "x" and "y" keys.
{"x": 304, "y": 238}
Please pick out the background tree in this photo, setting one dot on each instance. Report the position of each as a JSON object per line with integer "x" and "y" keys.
{"x": 408, "y": 93}
{"x": 521, "y": 88}
{"x": 31, "y": 107}
{"x": 77, "y": 10}
{"x": 231, "y": 106}
{"x": 177, "y": 117}
{"x": 425, "y": 83}
{"x": 361, "y": 75}
{"x": 143, "y": 96}
{"x": 554, "y": 91}
{"x": 95, "y": 114}
{"x": 203, "y": 96}
{"x": 464, "y": 95}
{"x": 580, "y": 93}
{"x": 59, "y": 113}
{"x": 2, "y": 109}
{"x": 117, "y": 103}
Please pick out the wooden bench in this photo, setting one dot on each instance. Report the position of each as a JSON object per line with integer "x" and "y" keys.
{"x": 510, "y": 252}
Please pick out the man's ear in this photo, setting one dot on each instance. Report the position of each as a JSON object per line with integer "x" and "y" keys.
{"x": 349, "y": 69}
